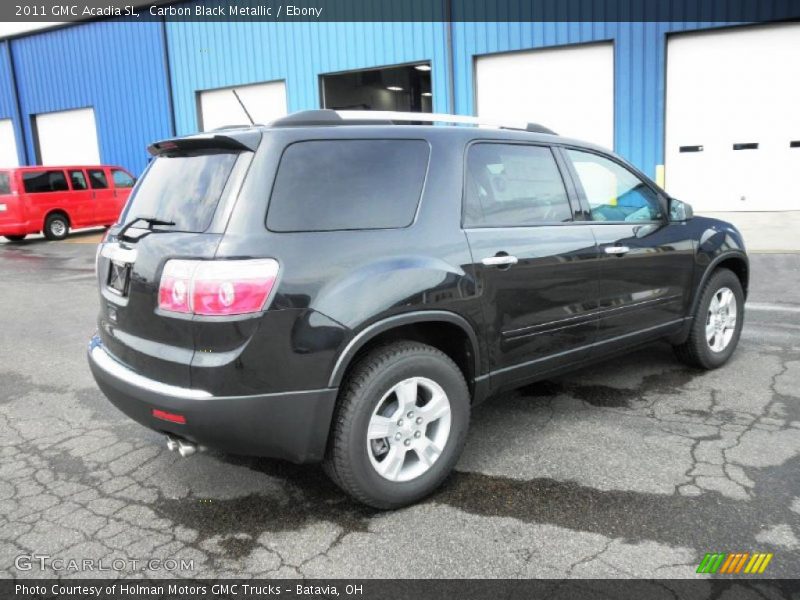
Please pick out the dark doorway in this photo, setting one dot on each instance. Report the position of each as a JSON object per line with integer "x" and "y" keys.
{"x": 405, "y": 89}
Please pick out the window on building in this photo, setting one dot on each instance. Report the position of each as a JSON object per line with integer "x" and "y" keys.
{"x": 513, "y": 185}
{"x": 39, "y": 182}
{"x": 406, "y": 88}
{"x": 348, "y": 184}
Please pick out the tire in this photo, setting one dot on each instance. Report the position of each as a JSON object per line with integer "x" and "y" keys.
{"x": 698, "y": 350}
{"x": 15, "y": 238}
{"x": 56, "y": 227}
{"x": 370, "y": 395}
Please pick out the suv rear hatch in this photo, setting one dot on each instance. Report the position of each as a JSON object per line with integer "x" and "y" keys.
{"x": 177, "y": 210}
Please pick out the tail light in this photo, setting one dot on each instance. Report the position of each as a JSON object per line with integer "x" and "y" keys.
{"x": 217, "y": 287}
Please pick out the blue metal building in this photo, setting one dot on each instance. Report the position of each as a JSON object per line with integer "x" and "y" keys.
{"x": 144, "y": 79}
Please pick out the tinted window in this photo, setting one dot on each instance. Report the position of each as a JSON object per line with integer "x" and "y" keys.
{"x": 5, "y": 183}
{"x": 97, "y": 179}
{"x": 348, "y": 184}
{"x": 37, "y": 182}
{"x": 78, "y": 180}
{"x": 513, "y": 185}
{"x": 614, "y": 193}
{"x": 182, "y": 189}
{"x": 121, "y": 179}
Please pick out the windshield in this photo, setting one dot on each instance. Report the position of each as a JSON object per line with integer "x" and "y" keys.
{"x": 182, "y": 189}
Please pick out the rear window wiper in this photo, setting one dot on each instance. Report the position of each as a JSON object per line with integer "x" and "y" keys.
{"x": 151, "y": 222}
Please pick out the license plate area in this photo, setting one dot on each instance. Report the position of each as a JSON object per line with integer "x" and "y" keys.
{"x": 119, "y": 275}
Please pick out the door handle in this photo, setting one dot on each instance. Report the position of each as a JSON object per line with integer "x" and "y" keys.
{"x": 617, "y": 249}
{"x": 501, "y": 260}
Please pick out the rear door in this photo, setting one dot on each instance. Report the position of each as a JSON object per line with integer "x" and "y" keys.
{"x": 105, "y": 202}
{"x": 536, "y": 266}
{"x": 646, "y": 262}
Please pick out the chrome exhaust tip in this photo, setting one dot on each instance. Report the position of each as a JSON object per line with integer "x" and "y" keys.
{"x": 172, "y": 444}
{"x": 186, "y": 448}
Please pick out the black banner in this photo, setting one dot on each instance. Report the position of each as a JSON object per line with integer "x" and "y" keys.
{"x": 388, "y": 589}
{"x": 403, "y": 10}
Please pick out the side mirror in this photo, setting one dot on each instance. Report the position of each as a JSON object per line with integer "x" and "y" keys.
{"x": 679, "y": 211}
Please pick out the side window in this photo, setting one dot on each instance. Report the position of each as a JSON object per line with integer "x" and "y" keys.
{"x": 330, "y": 185}
{"x": 513, "y": 185}
{"x": 5, "y": 183}
{"x": 612, "y": 191}
{"x": 39, "y": 182}
{"x": 121, "y": 179}
{"x": 97, "y": 179}
{"x": 78, "y": 180}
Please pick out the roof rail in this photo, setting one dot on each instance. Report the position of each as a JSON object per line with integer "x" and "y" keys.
{"x": 384, "y": 117}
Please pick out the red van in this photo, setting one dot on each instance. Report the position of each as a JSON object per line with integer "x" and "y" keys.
{"x": 52, "y": 200}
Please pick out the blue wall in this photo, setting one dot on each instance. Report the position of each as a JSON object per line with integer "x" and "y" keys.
{"x": 207, "y": 55}
{"x": 117, "y": 68}
{"x": 120, "y": 69}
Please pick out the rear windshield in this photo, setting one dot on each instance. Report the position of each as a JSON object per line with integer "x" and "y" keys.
{"x": 5, "y": 183}
{"x": 348, "y": 184}
{"x": 182, "y": 189}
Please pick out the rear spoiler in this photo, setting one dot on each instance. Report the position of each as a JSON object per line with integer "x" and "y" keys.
{"x": 247, "y": 139}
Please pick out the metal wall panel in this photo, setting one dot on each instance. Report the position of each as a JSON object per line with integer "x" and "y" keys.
{"x": 116, "y": 68}
{"x": 208, "y": 55}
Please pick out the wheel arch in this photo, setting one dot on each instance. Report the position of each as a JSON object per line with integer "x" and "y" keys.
{"x": 447, "y": 331}
{"x": 734, "y": 261}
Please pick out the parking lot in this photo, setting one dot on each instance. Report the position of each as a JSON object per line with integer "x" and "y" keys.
{"x": 633, "y": 468}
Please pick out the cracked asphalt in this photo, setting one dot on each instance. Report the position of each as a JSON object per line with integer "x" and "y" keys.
{"x": 634, "y": 468}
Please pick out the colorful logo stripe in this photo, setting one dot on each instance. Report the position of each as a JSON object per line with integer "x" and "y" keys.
{"x": 734, "y": 563}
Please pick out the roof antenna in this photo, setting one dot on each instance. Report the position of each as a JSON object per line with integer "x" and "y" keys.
{"x": 244, "y": 108}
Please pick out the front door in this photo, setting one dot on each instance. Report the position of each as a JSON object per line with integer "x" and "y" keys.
{"x": 537, "y": 270}
{"x": 646, "y": 262}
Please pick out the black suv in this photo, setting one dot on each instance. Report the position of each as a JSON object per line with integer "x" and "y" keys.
{"x": 337, "y": 290}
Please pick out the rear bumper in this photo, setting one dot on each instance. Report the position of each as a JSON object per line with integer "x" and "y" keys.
{"x": 15, "y": 228}
{"x": 293, "y": 425}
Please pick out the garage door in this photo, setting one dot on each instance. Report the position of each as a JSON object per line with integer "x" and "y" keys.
{"x": 733, "y": 118}
{"x": 264, "y": 101}
{"x": 8, "y": 144}
{"x": 568, "y": 89}
{"x": 67, "y": 137}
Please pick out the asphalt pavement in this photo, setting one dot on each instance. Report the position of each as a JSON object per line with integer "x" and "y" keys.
{"x": 636, "y": 467}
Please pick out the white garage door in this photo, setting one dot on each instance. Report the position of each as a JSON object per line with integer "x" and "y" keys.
{"x": 8, "y": 144}
{"x": 264, "y": 101}
{"x": 569, "y": 89}
{"x": 733, "y": 113}
{"x": 68, "y": 137}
